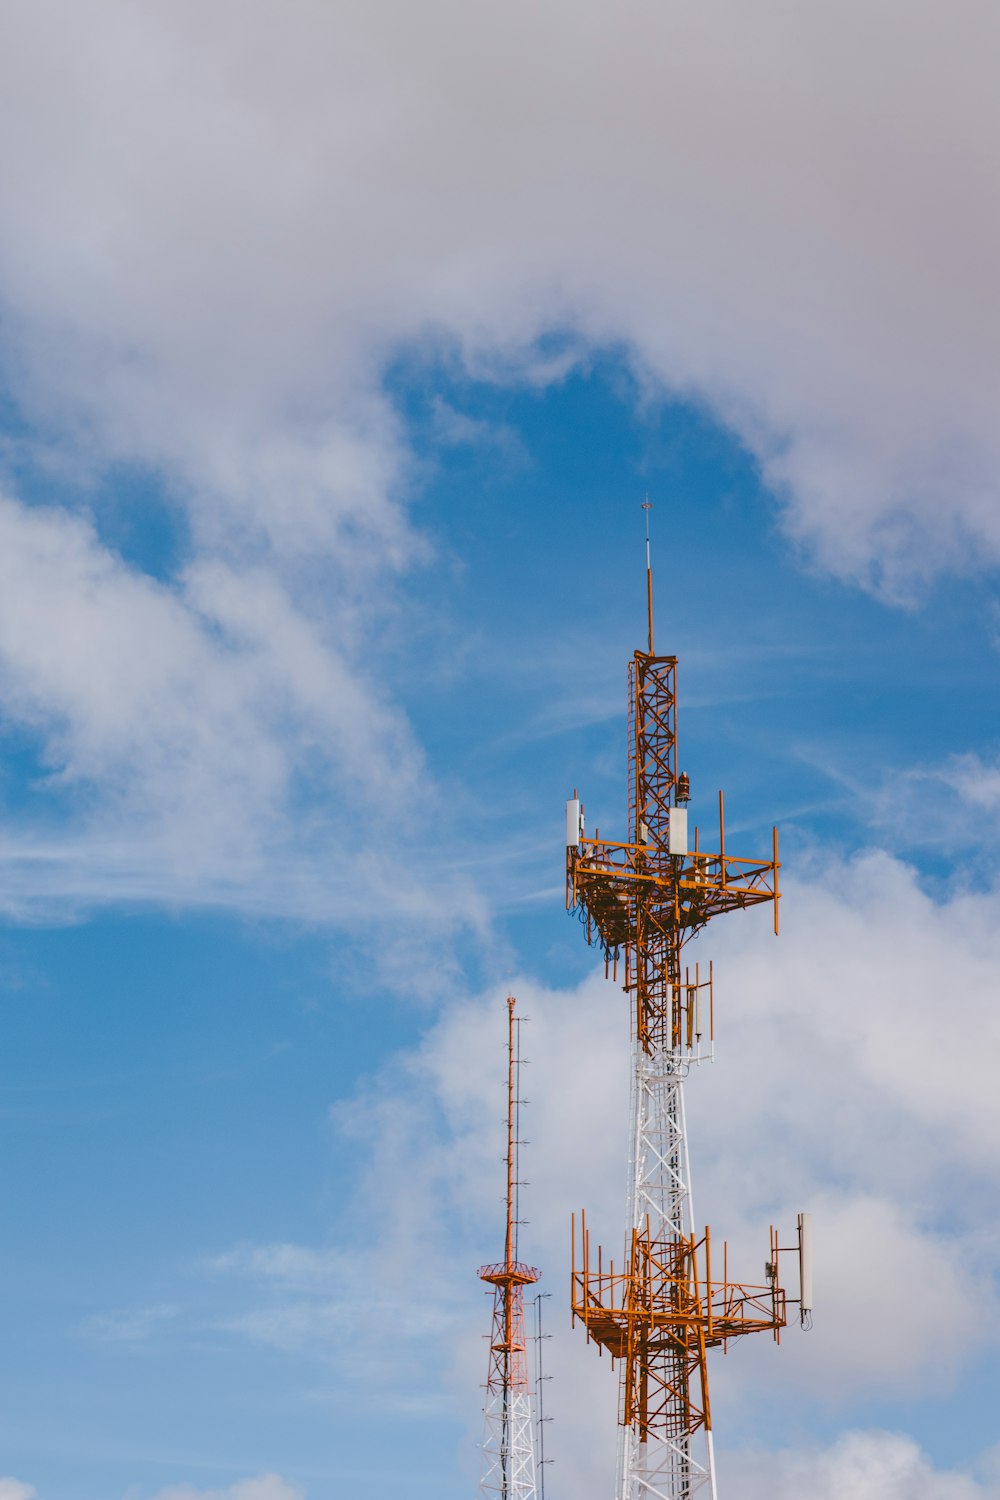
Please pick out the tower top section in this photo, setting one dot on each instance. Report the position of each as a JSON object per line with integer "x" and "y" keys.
{"x": 643, "y": 898}
{"x": 511, "y": 1272}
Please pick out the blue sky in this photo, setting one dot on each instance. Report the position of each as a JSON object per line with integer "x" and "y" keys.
{"x": 336, "y": 364}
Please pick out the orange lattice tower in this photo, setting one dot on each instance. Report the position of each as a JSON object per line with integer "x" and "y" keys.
{"x": 670, "y": 1299}
{"x": 508, "y": 1468}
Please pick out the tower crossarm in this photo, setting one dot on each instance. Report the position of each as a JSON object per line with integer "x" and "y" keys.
{"x": 662, "y": 1309}
{"x": 609, "y": 882}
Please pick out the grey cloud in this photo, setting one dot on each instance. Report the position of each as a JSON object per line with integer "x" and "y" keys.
{"x": 220, "y": 227}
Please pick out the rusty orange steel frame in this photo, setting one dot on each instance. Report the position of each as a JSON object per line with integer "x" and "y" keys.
{"x": 661, "y": 1313}
{"x": 666, "y": 1304}
{"x": 640, "y": 902}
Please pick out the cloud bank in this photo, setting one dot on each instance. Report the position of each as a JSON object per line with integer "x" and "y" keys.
{"x": 862, "y": 1465}
{"x": 221, "y": 227}
{"x": 221, "y": 231}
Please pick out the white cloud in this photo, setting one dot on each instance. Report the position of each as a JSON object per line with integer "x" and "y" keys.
{"x": 291, "y": 1265}
{"x": 949, "y": 806}
{"x": 213, "y": 739}
{"x": 455, "y": 428}
{"x": 218, "y": 229}
{"x": 129, "y": 1325}
{"x": 861, "y": 1465}
{"x": 302, "y": 1299}
{"x": 265, "y": 1487}
{"x": 975, "y": 781}
{"x": 12, "y": 1489}
{"x": 872, "y": 980}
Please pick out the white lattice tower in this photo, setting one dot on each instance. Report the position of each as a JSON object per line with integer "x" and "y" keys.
{"x": 667, "y": 1466}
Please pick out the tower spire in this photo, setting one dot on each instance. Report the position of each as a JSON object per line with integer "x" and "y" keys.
{"x": 508, "y": 1445}
{"x": 647, "y": 506}
{"x": 512, "y": 1141}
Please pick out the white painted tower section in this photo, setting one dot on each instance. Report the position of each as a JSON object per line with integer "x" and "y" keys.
{"x": 663, "y": 1467}
{"x": 508, "y": 1447}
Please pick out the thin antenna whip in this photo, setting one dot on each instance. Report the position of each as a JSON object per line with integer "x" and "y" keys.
{"x": 512, "y": 1061}
{"x": 540, "y": 1379}
{"x": 647, "y": 506}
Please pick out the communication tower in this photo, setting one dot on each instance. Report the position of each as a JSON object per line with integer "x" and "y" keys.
{"x": 670, "y": 1299}
{"x": 508, "y": 1468}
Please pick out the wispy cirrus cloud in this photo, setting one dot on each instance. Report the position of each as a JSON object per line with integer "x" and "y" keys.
{"x": 949, "y": 807}
{"x": 207, "y": 740}
{"x": 132, "y": 1325}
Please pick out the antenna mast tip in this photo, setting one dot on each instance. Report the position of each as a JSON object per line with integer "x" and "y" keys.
{"x": 647, "y": 506}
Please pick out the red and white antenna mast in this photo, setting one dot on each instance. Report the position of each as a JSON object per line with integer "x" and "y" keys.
{"x": 508, "y": 1446}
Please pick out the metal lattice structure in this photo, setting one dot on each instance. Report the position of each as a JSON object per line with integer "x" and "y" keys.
{"x": 508, "y": 1468}
{"x": 666, "y": 1304}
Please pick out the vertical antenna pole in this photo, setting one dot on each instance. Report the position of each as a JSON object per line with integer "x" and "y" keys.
{"x": 540, "y": 1378}
{"x": 647, "y": 506}
{"x": 508, "y": 1290}
{"x": 511, "y": 1079}
{"x": 722, "y": 839}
